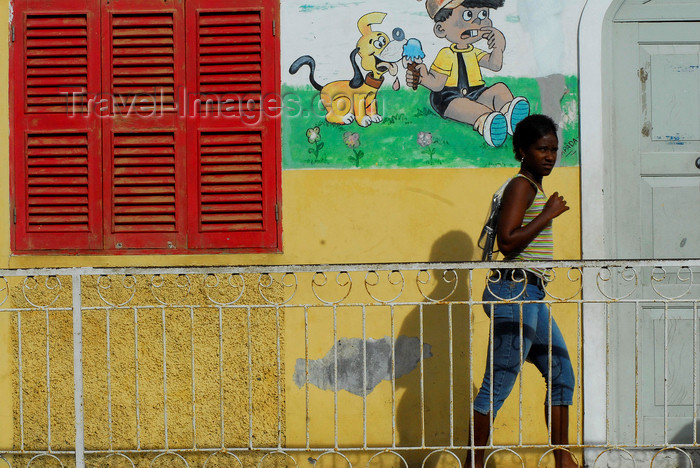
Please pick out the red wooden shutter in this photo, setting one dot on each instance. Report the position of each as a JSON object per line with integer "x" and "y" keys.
{"x": 111, "y": 148}
{"x": 55, "y": 142}
{"x": 233, "y": 150}
{"x": 144, "y": 139}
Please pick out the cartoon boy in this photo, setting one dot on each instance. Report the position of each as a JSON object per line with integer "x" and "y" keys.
{"x": 458, "y": 91}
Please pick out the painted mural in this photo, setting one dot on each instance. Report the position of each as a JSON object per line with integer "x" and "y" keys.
{"x": 434, "y": 83}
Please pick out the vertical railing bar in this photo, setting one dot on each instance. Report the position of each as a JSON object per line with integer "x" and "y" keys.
{"x": 48, "y": 374}
{"x": 279, "y": 378}
{"x": 579, "y": 370}
{"x": 306, "y": 374}
{"x": 109, "y": 379}
{"x": 335, "y": 377}
{"x": 452, "y": 383}
{"x": 521, "y": 326}
{"x": 490, "y": 369}
{"x": 194, "y": 387}
{"x": 637, "y": 409}
{"x": 549, "y": 372}
{"x": 77, "y": 373}
{"x": 364, "y": 376}
{"x": 221, "y": 377}
{"x": 250, "y": 378}
{"x": 21, "y": 378}
{"x": 422, "y": 376}
{"x": 665, "y": 373}
{"x": 165, "y": 379}
{"x": 695, "y": 372}
{"x": 607, "y": 374}
{"x": 136, "y": 379}
{"x": 393, "y": 377}
{"x": 470, "y": 337}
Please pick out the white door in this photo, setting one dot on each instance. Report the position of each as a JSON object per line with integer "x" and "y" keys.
{"x": 654, "y": 202}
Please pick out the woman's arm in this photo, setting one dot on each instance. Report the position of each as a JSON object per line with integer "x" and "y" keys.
{"x": 512, "y": 237}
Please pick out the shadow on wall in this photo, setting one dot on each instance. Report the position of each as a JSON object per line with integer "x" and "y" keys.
{"x": 440, "y": 417}
{"x": 687, "y": 434}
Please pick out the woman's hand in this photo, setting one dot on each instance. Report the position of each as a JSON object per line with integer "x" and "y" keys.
{"x": 555, "y": 206}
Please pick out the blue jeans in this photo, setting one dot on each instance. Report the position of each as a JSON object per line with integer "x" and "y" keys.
{"x": 535, "y": 341}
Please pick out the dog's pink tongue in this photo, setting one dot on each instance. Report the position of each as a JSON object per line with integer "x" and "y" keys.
{"x": 396, "y": 84}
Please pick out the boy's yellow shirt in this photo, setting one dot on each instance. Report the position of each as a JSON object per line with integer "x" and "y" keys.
{"x": 446, "y": 64}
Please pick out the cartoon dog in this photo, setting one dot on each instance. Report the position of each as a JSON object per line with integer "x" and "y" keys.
{"x": 356, "y": 99}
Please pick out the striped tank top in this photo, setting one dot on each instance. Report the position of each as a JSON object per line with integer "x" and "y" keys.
{"x": 542, "y": 247}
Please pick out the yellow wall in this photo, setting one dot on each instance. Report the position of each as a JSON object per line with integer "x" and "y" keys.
{"x": 333, "y": 216}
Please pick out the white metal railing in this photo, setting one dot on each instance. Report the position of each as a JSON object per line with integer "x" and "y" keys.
{"x": 358, "y": 365}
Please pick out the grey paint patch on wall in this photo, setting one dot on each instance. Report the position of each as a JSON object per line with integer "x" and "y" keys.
{"x": 552, "y": 91}
{"x": 351, "y": 362}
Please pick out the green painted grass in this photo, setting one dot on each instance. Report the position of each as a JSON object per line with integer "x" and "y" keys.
{"x": 393, "y": 143}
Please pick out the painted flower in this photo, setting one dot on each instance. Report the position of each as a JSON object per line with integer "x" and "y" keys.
{"x": 352, "y": 140}
{"x": 313, "y": 134}
{"x": 425, "y": 139}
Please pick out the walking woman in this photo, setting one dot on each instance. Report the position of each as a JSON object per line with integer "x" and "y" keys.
{"x": 525, "y": 233}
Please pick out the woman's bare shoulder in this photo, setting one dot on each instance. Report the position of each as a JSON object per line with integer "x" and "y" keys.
{"x": 520, "y": 184}
{"x": 518, "y": 195}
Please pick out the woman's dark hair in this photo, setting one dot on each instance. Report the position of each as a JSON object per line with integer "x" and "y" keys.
{"x": 531, "y": 129}
{"x": 445, "y": 13}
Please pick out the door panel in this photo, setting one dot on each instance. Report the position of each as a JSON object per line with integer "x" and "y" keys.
{"x": 675, "y": 231}
{"x": 668, "y": 334}
{"x": 656, "y": 215}
{"x": 675, "y": 89}
{"x": 669, "y": 139}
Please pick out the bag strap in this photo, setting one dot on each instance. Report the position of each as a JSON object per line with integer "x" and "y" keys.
{"x": 537, "y": 187}
{"x": 487, "y": 238}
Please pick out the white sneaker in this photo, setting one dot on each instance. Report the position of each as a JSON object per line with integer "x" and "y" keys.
{"x": 518, "y": 109}
{"x": 495, "y": 129}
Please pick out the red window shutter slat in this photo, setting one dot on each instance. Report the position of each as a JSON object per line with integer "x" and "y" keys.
{"x": 142, "y": 55}
{"x": 232, "y": 142}
{"x": 56, "y": 61}
{"x": 231, "y": 190}
{"x": 229, "y": 58}
{"x": 54, "y": 179}
{"x": 56, "y": 163}
{"x": 144, "y": 137}
{"x": 137, "y": 178}
{"x": 145, "y": 207}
